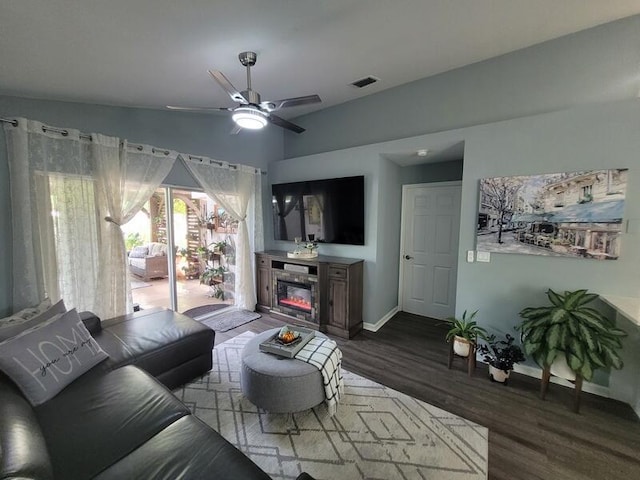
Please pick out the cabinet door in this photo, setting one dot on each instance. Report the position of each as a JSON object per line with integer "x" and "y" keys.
{"x": 338, "y": 303}
{"x": 264, "y": 292}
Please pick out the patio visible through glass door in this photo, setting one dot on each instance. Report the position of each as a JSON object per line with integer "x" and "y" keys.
{"x": 204, "y": 240}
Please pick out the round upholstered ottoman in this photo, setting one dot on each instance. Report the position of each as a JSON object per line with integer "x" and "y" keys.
{"x": 278, "y": 384}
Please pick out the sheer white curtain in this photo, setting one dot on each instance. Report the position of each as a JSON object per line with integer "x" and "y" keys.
{"x": 59, "y": 195}
{"x": 125, "y": 179}
{"x": 238, "y": 189}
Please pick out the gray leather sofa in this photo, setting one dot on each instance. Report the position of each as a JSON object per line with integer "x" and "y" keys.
{"x": 117, "y": 421}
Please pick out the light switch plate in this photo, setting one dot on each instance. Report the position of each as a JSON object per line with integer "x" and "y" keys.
{"x": 470, "y": 255}
{"x": 483, "y": 257}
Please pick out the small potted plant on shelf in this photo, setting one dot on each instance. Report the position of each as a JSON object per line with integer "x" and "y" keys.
{"x": 219, "y": 247}
{"x": 570, "y": 339}
{"x": 464, "y": 333}
{"x": 501, "y": 355}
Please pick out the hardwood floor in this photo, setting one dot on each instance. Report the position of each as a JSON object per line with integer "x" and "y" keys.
{"x": 528, "y": 438}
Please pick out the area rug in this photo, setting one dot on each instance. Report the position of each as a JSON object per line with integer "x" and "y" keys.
{"x": 377, "y": 433}
{"x": 202, "y": 310}
{"x": 231, "y": 319}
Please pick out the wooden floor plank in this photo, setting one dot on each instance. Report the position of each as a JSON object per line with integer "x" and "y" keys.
{"x": 529, "y": 439}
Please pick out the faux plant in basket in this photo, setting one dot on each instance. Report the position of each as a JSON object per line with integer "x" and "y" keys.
{"x": 501, "y": 355}
{"x": 570, "y": 339}
{"x": 464, "y": 333}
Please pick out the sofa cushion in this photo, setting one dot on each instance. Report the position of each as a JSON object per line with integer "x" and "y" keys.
{"x": 103, "y": 417}
{"x": 172, "y": 454}
{"x": 48, "y": 357}
{"x": 139, "y": 252}
{"x": 23, "y": 450}
{"x": 138, "y": 262}
{"x": 11, "y": 329}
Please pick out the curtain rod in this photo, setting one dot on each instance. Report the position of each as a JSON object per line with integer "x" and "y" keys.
{"x": 217, "y": 162}
{"x": 87, "y": 136}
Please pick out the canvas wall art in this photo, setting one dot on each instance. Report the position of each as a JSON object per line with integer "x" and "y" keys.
{"x": 574, "y": 214}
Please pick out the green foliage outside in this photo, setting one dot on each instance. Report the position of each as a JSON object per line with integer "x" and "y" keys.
{"x": 133, "y": 240}
{"x": 179, "y": 206}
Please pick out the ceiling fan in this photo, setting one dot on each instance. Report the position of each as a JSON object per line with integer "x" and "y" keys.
{"x": 252, "y": 113}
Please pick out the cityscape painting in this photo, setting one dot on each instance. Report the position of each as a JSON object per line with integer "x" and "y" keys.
{"x": 576, "y": 214}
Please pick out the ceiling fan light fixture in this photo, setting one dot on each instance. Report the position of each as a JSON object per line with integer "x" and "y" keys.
{"x": 249, "y": 117}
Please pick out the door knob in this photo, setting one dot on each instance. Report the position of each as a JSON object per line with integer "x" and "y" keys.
{"x": 408, "y": 257}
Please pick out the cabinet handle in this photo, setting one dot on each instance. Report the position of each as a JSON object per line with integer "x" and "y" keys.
{"x": 331, "y": 303}
{"x": 267, "y": 288}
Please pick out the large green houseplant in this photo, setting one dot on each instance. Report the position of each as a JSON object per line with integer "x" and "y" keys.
{"x": 570, "y": 330}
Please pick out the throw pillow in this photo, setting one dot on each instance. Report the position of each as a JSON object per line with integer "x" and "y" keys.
{"x": 139, "y": 252}
{"x": 157, "y": 249}
{"x": 45, "y": 359}
{"x": 25, "y": 314}
{"x": 11, "y": 329}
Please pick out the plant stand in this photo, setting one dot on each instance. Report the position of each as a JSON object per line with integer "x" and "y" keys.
{"x": 471, "y": 359}
{"x": 544, "y": 386}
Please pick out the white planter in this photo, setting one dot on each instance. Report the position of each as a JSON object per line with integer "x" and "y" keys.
{"x": 461, "y": 346}
{"x": 560, "y": 368}
{"x": 498, "y": 375}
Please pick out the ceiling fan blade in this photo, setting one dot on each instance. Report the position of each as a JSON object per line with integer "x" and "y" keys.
{"x": 281, "y": 122}
{"x": 224, "y": 82}
{"x": 290, "y": 102}
{"x": 199, "y": 109}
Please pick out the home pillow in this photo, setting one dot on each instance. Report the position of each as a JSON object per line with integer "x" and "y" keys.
{"x": 11, "y": 329}
{"x": 46, "y": 358}
{"x": 139, "y": 252}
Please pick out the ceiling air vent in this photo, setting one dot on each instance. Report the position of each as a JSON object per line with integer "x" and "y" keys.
{"x": 363, "y": 82}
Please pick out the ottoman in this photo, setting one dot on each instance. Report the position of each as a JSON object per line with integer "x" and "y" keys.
{"x": 170, "y": 346}
{"x": 278, "y": 384}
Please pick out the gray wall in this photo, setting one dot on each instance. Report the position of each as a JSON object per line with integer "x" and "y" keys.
{"x": 582, "y": 138}
{"x": 595, "y": 65}
{"x": 185, "y": 132}
{"x": 383, "y": 195}
{"x": 432, "y": 172}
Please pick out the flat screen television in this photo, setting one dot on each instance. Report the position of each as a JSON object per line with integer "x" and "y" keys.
{"x": 325, "y": 211}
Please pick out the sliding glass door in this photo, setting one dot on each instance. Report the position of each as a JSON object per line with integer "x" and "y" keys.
{"x": 198, "y": 277}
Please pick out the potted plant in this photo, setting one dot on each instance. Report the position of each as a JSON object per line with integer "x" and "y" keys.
{"x": 219, "y": 247}
{"x": 569, "y": 338}
{"x": 213, "y": 275}
{"x": 464, "y": 333}
{"x": 501, "y": 355}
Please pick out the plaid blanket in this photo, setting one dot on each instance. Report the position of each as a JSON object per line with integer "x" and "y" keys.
{"x": 325, "y": 355}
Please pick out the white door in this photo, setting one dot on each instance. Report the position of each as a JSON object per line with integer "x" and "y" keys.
{"x": 430, "y": 228}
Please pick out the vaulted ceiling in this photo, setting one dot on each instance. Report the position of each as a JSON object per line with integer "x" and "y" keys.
{"x": 151, "y": 53}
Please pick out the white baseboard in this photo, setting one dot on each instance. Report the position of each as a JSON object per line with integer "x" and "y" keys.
{"x": 378, "y": 325}
{"x": 536, "y": 372}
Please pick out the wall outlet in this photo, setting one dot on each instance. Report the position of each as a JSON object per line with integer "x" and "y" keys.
{"x": 470, "y": 255}
{"x": 483, "y": 257}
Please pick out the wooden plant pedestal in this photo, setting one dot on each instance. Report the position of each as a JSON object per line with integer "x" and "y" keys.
{"x": 471, "y": 359}
{"x": 544, "y": 386}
